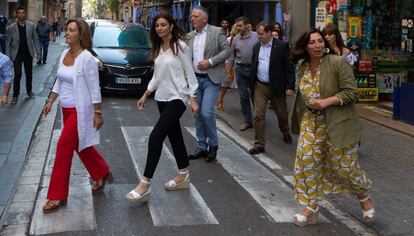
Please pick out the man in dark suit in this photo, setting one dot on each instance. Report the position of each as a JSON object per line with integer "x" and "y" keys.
{"x": 272, "y": 80}
{"x": 21, "y": 47}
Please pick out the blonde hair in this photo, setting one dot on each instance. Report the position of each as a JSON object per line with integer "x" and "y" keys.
{"x": 233, "y": 31}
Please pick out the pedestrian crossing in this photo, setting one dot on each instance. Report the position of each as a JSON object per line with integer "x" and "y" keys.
{"x": 165, "y": 206}
{"x": 78, "y": 214}
{"x": 275, "y": 197}
{"x": 272, "y": 194}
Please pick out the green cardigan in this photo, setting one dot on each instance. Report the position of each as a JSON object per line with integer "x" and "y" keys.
{"x": 336, "y": 79}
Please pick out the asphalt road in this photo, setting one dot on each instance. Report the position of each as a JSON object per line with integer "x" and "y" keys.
{"x": 238, "y": 195}
{"x": 234, "y": 209}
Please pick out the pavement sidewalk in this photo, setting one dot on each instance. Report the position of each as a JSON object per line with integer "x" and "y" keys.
{"x": 18, "y": 123}
{"x": 386, "y": 155}
{"x": 381, "y": 113}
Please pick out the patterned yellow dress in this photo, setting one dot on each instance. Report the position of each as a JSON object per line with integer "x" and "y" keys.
{"x": 320, "y": 167}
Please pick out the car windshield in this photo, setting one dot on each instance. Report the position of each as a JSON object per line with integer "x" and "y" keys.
{"x": 117, "y": 37}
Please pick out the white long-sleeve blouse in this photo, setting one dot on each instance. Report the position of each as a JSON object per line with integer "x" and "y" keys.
{"x": 174, "y": 76}
{"x": 86, "y": 92}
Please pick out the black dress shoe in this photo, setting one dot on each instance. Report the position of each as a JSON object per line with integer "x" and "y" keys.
{"x": 212, "y": 154}
{"x": 198, "y": 154}
{"x": 287, "y": 138}
{"x": 256, "y": 150}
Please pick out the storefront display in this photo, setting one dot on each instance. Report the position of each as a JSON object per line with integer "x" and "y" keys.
{"x": 380, "y": 34}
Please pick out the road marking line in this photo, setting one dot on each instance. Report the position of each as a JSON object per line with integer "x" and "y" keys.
{"x": 166, "y": 206}
{"x": 275, "y": 197}
{"x": 79, "y": 214}
{"x": 353, "y": 224}
{"x": 246, "y": 145}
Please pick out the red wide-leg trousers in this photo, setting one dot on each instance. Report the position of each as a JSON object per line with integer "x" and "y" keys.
{"x": 67, "y": 144}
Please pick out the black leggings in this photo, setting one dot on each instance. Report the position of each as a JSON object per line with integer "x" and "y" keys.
{"x": 167, "y": 125}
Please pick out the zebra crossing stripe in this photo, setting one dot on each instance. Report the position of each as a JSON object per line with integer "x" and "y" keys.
{"x": 78, "y": 214}
{"x": 165, "y": 206}
{"x": 275, "y": 197}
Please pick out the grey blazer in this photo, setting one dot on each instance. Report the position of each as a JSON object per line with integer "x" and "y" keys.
{"x": 13, "y": 40}
{"x": 217, "y": 49}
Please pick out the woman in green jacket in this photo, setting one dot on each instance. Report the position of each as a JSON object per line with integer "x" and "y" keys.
{"x": 325, "y": 118}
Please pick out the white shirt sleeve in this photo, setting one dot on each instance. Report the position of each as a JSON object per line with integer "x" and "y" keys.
{"x": 90, "y": 71}
{"x": 185, "y": 56}
{"x": 153, "y": 84}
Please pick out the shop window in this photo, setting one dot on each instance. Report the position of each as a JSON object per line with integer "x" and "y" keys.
{"x": 380, "y": 33}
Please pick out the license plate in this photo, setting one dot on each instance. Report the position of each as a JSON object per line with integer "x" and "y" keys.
{"x": 122, "y": 80}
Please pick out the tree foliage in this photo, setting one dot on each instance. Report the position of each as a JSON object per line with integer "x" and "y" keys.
{"x": 113, "y": 5}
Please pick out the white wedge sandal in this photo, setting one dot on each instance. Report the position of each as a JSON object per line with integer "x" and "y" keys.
{"x": 369, "y": 215}
{"x": 134, "y": 196}
{"x": 301, "y": 220}
{"x": 183, "y": 184}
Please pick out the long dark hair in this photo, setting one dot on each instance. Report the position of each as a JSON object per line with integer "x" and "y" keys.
{"x": 177, "y": 34}
{"x": 332, "y": 29}
{"x": 298, "y": 51}
{"x": 280, "y": 30}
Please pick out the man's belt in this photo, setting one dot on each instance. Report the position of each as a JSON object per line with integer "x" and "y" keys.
{"x": 201, "y": 75}
{"x": 260, "y": 82}
{"x": 243, "y": 64}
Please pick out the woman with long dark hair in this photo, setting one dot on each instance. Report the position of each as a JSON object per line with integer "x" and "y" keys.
{"x": 336, "y": 43}
{"x": 230, "y": 82}
{"x": 278, "y": 28}
{"x": 175, "y": 83}
{"x": 325, "y": 118}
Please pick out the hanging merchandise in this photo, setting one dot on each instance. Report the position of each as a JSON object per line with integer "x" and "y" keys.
{"x": 367, "y": 35}
{"x": 343, "y": 4}
{"x": 279, "y": 14}
{"x": 174, "y": 11}
{"x": 330, "y": 7}
{"x": 342, "y": 20}
{"x": 354, "y": 27}
{"x": 266, "y": 12}
{"x": 407, "y": 30}
{"x": 137, "y": 15}
{"x": 190, "y": 25}
{"x": 286, "y": 25}
{"x": 357, "y": 8}
{"x": 320, "y": 14}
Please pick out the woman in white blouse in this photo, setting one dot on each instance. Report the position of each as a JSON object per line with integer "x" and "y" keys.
{"x": 175, "y": 83}
{"x": 77, "y": 87}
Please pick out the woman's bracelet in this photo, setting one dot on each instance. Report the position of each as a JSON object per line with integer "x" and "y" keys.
{"x": 49, "y": 100}
{"x": 98, "y": 112}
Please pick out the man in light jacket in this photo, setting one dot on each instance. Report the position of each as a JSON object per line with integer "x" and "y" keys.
{"x": 210, "y": 49}
{"x": 22, "y": 46}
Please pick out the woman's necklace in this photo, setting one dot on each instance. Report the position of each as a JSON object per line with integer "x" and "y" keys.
{"x": 73, "y": 55}
{"x": 313, "y": 67}
{"x": 165, "y": 47}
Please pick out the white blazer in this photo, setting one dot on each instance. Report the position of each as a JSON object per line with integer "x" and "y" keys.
{"x": 86, "y": 92}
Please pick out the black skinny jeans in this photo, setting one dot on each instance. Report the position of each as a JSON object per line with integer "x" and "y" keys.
{"x": 27, "y": 60}
{"x": 167, "y": 125}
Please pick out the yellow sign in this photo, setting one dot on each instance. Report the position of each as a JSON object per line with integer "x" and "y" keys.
{"x": 368, "y": 94}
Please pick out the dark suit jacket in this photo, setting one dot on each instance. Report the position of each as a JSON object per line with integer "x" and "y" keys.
{"x": 281, "y": 70}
